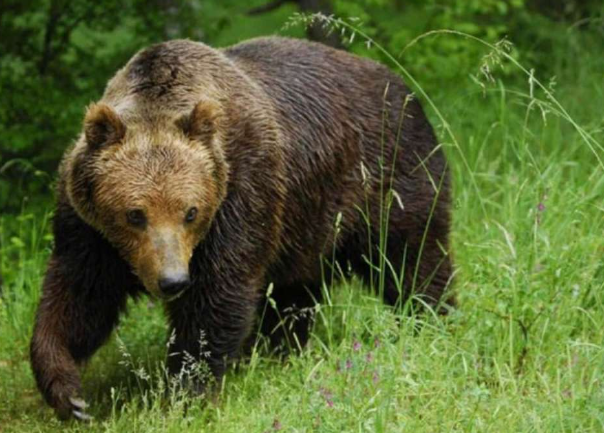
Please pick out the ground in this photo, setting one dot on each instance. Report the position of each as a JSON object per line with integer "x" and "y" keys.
{"x": 522, "y": 352}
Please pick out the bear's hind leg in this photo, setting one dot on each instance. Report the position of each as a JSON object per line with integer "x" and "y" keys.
{"x": 423, "y": 274}
{"x": 287, "y": 316}
{"x": 418, "y": 268}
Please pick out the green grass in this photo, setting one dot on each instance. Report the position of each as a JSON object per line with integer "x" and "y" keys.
{"x": 523, "y": 351}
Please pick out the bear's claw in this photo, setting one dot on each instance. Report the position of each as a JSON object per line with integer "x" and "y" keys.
{"x": 79, "y": 405}
{"x": 82, "y": 416}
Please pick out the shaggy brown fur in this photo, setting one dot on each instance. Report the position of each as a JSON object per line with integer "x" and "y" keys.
{"x": 226, "y": 171}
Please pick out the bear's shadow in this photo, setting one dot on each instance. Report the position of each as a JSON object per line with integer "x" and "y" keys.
{"x": 131, "y": 367}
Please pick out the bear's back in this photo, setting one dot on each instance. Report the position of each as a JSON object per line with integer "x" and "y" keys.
{"x": 330, "y": 106}
{"x": 315, "y": 86}
{"x": 329, "y": 103}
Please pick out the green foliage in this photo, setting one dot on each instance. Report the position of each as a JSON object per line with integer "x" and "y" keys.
{"x": 396, "y": 24}
{"x": 57, "y": 55}
{"x": 47, "y": 78}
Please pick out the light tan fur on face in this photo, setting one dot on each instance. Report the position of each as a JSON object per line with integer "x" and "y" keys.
{"x": 162, "y": 169}
{"x": 164, "y": 179}
{"x": 157, "y": 141}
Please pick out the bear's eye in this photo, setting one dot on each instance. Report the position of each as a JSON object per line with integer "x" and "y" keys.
{"x": 191, "y": 214}
{"x": 136, "y": 218}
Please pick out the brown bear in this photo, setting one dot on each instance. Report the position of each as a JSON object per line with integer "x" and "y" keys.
{"x": 202, "y": 176}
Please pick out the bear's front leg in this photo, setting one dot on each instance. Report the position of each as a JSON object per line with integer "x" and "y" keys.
{"x": 72, "y": 321}
{"x": 209, "y": 325}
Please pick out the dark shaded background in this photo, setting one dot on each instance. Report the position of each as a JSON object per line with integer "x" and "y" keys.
{"x": 57, "y": 55}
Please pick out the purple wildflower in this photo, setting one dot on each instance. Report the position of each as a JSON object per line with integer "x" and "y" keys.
{"x": 375, "y": 377}
{"x": 325, "y": 392}
{"x": 327, "y": 395}
{"x": 277, "y": 425}
{"x": 356, "y": 346}
{"x": 541, "y": 207}
{"x": 348, "y": 364}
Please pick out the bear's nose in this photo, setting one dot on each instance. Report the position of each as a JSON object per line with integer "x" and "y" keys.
{"x": 173, "y": 284}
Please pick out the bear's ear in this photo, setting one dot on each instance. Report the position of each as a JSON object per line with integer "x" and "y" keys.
{"x": 202, "y": 123}
{"x": 102, "y": 126}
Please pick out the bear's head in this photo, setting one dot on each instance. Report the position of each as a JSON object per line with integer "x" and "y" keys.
{"x": 151, "y": 188}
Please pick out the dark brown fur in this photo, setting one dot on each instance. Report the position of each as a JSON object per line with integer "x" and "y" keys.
{"x": 301, "y": 133}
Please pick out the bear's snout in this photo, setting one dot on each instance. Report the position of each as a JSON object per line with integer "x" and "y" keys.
{"x": 173, "y": 284}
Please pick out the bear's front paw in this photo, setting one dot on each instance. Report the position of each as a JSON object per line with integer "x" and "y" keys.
{"x": 65, "y": 399}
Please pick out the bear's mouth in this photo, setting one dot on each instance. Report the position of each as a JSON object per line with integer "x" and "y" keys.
{"x": 172, "y": 298}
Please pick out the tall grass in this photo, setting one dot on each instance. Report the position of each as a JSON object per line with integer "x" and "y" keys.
{"x": 522, "y": 352}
